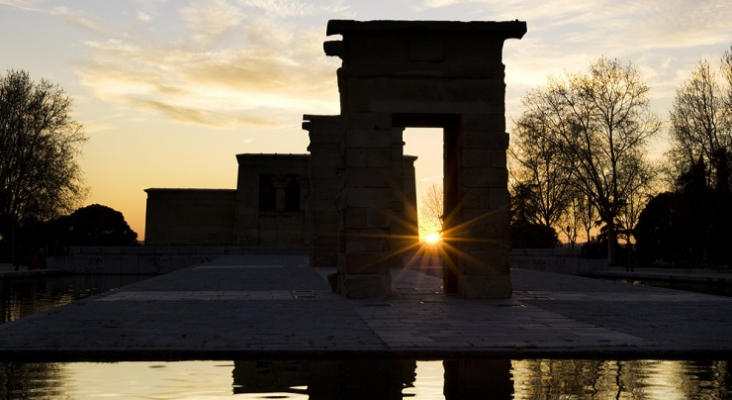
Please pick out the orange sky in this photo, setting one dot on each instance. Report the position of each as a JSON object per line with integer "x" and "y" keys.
{"x": 170, "y": 91}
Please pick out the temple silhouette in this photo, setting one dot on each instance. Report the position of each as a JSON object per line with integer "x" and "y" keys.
{"x": 351, "y": 201}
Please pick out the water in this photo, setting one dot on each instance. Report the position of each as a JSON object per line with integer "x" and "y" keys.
{"x": 335, "y": 379}
{"x": 371, "y": 379}
{"x": 20, "y": 297}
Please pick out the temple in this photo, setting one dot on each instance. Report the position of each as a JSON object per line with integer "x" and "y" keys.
{"x": 352, "y": 200}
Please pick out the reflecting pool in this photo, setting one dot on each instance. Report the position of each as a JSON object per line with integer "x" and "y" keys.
{"x": 20, "y": 297}
{"x": 370, "y": 379}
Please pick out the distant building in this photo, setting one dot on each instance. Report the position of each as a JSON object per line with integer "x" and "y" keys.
{"x": 271, "y": 206}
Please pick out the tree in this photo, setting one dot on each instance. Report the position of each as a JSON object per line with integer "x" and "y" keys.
{"x": 527, "y": 235}
{"x": 683, "y": 226}
{"x": 541, "y": 175}
{"x": 600, "y": 122}
{"x": 701, "y": 155}
{"x": 39, "y": 174}
{"x": 701, "y": 124}
{"x": 431, "y": 210}
{"x": 575, "y": 217}
{"x": 98, "y": 225}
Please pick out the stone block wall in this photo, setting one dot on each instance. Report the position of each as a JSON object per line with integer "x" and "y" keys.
{"x": 189, "y": 216}
{"x": 277, "y": 223}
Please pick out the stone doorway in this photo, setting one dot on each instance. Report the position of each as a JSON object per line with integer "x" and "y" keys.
{"x": 398, "y": 74}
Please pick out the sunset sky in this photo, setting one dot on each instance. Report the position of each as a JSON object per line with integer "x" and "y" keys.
{"x": 169, "y": 91}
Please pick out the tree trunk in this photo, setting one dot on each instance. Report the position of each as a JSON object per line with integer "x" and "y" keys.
{"x": 612, "y": 244}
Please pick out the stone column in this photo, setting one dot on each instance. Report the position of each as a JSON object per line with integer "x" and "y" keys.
{"x": 483, "y": 193}
{"x": 372, "y": 170}
{"x": 325, "y": 162}
{"x": 280, "y": 183}
{"x": 405, "y": 227}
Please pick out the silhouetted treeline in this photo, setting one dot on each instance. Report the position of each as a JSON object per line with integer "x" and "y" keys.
{"x": 580, "y": 166}
{"x": 94, "y": 225}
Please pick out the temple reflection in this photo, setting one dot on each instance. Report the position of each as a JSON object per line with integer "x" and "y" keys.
{"x": 369, "y": 379}
{"x": 530, "y": 379}
{"x": 477, "y": 378}
{"x": 326, "y": 379}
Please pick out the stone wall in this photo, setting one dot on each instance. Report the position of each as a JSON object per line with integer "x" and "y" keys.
{"x": 272, "y": 200}
{"x": 189, "y": 216}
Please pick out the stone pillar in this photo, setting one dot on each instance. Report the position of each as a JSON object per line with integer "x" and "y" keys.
{"x": 325, "y": 161}
{"x": 405, "y": 228}
{"x": 483, "y": 264}
{"x": 280, "y": 184}
{"x": 372, "y": 171}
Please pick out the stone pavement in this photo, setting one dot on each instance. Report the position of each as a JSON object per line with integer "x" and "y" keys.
{"x": 245, "y": 307}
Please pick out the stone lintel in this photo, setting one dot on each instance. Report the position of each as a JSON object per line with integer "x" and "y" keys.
{"x": 322, "y": 119}
{"x": 499, "y": 29}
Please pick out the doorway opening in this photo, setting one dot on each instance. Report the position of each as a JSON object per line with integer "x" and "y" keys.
{"x": 426, "y": 145}
{"x": 435, "y": 140}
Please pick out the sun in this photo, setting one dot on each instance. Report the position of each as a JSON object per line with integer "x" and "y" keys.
{"x": 432, "y": 238}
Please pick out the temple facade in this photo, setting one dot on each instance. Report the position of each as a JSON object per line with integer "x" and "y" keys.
{"x": 272, "y": 205}
{"x": 352, "y": 199}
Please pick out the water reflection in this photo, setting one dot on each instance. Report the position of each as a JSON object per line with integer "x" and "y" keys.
{"x": 635, "y": 379}
{"x": 325, "y": 380}
{"x": 33, "y": 381}
{"x": 373, "y": 379}
{"x": 20, "y": 297}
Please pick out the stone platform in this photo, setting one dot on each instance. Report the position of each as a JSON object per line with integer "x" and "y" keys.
{"x": 247, "y": 307}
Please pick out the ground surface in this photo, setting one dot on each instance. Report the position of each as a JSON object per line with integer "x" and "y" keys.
{"x": 256, "y": 306}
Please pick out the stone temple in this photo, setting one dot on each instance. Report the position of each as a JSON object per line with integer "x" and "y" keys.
{"x": 357, "y": 182}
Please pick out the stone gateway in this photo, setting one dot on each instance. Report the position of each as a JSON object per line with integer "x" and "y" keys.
{"x": 399, "y": 74}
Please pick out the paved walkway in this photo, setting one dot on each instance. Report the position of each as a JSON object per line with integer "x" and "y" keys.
{"x": 243, "y": 307}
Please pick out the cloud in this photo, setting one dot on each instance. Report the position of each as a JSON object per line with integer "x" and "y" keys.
{"x": 281, "y": 8}
{"x": 210, "y": 19}
{"x": 568, "y": 35}
{"x": 77, "y": 18}
{"x": 209, "y": 118}
{"x": 270, "y": 73}
{"x": 28, "y": 5}
{"x": 144, "y": 17}
{"x": 609, "y": 26}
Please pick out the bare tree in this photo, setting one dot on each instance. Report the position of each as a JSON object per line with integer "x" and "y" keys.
{"x": 39, "y": 174}
{"x": 431, "y": 210}
{"x": 572, "y": 219}
{"x": 727, "y": 74}
{"x": 701, "y": 123}
{"x": 540, "y": 169}
{"x": 641, "y": 191}
{"x": 600, "y": 121}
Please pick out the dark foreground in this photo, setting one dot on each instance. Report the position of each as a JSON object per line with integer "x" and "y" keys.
{"x": 249, "y": 307}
